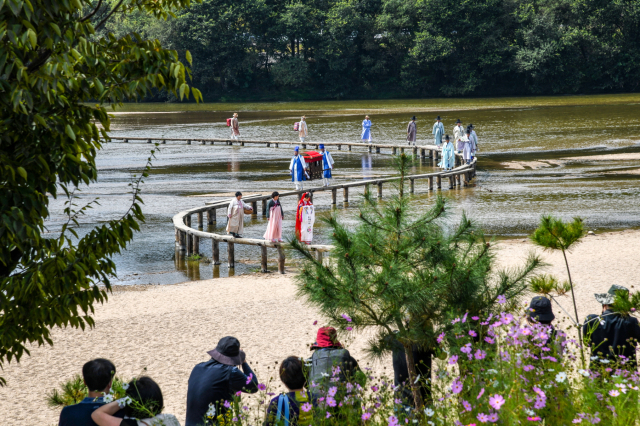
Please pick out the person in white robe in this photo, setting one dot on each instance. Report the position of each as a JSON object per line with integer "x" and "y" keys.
{"x": 327, "y": 166}
{"x": 235, "y": 215}
{"x": 474, "y": 141}
{"x": 438, "y": 131}
{"x": 303, "y": 132}
{"x": 297, "y": 168}
{"x": 466, "y": 152}
{"x": 366, "y": 130}
{"x": 235, "y": 127}
{"x": 458, "y": 136}
{"x": 448, "y": 156}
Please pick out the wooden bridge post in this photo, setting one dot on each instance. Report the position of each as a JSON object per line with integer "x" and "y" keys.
{"x": 345, "y": 194}
{"x": 215, "y": 249}
{"x": 379, "y": 189}
{"x": 422, "y": 153}
{"x": 339, "y": 147}
{"x": 369, "y": 147}
{"x": 430, "y": 153}
{"x": 211, "y": 216}
{"x": 164, "y": 141}
{"x": 241, "y": 143}
{"x": 319, "y": 256}
{"x": 281, "y": 259}
{"x": 231, "y": 257}
{"x": 439, "y": 182}
{"x": 277, "y": 145}
{"x": 393, "y": 150}
{"x": 412, "y": 185}
{"x": 181, "y": 238}
{"x": 148, "y": 140}
{"x": 430, "y": 178}
{"x": 187, "y": 220}
{"x": 254, "y": 207}
{"x": 196, "y": 244}
{"x": 126, "y": 141}
{"x": 415, "y": 151}
{"x": 268, "y": 145}
{"x": 366, "y": 189}
{"x": 304, "y": 146}
{"x": 401, "y": 151}
{"x": 188, "y": 141}
{"x": 264, "y": 258}
{"x": 264, "y": 207}
{"x": 377, "y": 150}
{"x": 189, "y": 244}
{"x": 200, "y": 220}
{"x": 349, "y": 147}
{"x": 451, "y": 185}
{"x": 334, "y": 195}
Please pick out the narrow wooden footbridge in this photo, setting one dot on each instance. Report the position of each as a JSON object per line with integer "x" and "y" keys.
{"x": 188, "y": 238}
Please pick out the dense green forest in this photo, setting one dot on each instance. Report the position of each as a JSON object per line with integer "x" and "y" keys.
{"x": 281, "y": 49}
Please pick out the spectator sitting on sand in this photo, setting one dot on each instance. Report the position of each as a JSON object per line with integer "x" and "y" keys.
{"x": 286, "y": 408}
{"x": 217, "y": 380}
{"x": 98, "y": 375}
{"x": 142, "y": 406}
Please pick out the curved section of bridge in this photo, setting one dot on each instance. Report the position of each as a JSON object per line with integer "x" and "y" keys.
{"x": 188, "y": 239}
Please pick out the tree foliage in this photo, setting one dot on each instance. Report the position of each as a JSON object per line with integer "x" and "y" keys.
{"x": 406, "y": 275}
{"x": 382, "y": 48}
{"x": 53, "y": 65}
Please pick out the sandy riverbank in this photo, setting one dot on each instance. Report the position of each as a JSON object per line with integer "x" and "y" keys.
{"x": 168, "y": 329}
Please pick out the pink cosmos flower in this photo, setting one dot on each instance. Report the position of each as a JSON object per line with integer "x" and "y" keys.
{"x": 440, "y": 338}
{"x": 456, "y": 386}
{"x": 528, "y": 367}
{"x": 262, "y": 386}
{"x": 332, "y": 391}
{"x": 315, "y": 322}
{"x": 466, "y": 348}
{"x": 472, "y": 333}
{"x": 345, "y": 316}
{"x": 534, "y": 418}
{"x": 502, "y": 300}
{"x": 249, "y": 378}
{"x": 489, "y": 340}
{"x": 306, "y": 407}
{"x": 227, "y": 404}
{"x": 483, "y": 418}
{"x": 480, "y": 393}
{"x": 480, "y": 354}
{"x": 330, "y": 401}
{"x": 466, "y": 405}
{"x": 349, "y": 328}
{"x": 464, "y": 318}
{"x": 453, "y": 359}
{"x": 328, "y": 414}
{"x": 496, "y": 401}
{"x": 374, "y": 388}
{"x": 475, "y": 318}
{"x": 393, "y": 421}
{"x": 366, "y": 416}
{"x": 614, "y": 393}
{"x": 493, "y": 417}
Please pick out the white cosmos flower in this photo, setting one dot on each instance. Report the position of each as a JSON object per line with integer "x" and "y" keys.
{"x": 123, "y": 402}
{"x": 604, "y": 361}
{"x": 492, "y": 371}
{"x": 561, "y": 377}
{"x": 108, "y": 398}
{"x": 585, "y": 373}
{"x": 430, "y": 423}
{"x": 125, "y": 386}
{"x": 325, "y": 374}
{"x": 211, "y": 412}
{"x": 417, "y": 378}
{"x": 429, "y": 412}
{"x": 529, "y": 412}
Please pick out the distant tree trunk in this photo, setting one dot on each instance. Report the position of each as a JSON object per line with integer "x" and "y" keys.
{"x": 411, "y": 366}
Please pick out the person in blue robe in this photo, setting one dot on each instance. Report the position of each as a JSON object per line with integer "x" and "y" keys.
{"x": 366, "y": 129}
{"x": 297, "y": 169}
{"x": 327, "y": 165}
{"x": 438, "y": 131}
{"x": 448, "y": 157}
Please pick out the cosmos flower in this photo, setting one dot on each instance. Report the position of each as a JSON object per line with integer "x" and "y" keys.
{"x": 496, "y": 401}
{"x": 501, "y": 299}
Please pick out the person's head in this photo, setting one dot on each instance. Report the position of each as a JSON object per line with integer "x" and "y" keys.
{"x": 459, "y": 123}
{"x": 238, "y": 195}
{"x": 321, "y": 146}
{"x": 446, "y": 138}
{"x": 471, "y": 126}
{"x": 366, "y": 117}
{"x": 296, "y": 150}
{"x": 275, "y": 195}
{"x": 438, "y": 118}
{"x": 147, "y": 398}
{"x": 327, "y": 337}
{"x": 98, "y": 374}
{"x": 235, "y": 115}
{"x": 540, "y": 310}
{"x": 307, "y": 196}
{"x": 413, "y": 118}
{"x": 303, "y": 118}
{"x": 468, "y": 132}
{"x": 292, "y": 373}
{"x": 607, "y": 299}
{"x": 228, "y": 352}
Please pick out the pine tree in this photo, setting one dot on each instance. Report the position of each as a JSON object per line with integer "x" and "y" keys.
{"x": 406, "y": 274}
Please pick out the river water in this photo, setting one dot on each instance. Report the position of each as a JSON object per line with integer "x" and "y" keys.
{"x": 569, "y": 156}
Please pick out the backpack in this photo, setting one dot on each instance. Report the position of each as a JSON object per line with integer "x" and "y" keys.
{"x": 323, "y": 361}
{"x": 304, "y": 419}
{"x": 228, "y": 122}
{"x": 296, "y": 126}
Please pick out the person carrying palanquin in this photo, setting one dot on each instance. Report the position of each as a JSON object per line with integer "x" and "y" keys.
{"x": 438, "y": 131}
{"x": 412, "y": 131}
{"x": 366, "y": 129}
{"x": 297, "y": 169}
{"x": 327, "y": 165}
{"x": 448, "y": 155}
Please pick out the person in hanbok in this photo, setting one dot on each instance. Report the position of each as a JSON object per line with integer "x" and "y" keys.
{"x": 274, "y": 216}
{"x": 235, "y": 215}
{"x": 458, "y": 135}
{"x": 235, "y": 127}
{"x": 412, "y": 131}
{"x": 305, "y": 217}
{"x": 448, "y": 155}
{"x": 303, "y": 132}
{"x": 438, "y": 132}
{"x": 466, "y": 151}
{"x": 366, "y": 129}
{"x": 474, "y": 140}
{"x": 327, "y": 165}
{"x": 297, "y": 169}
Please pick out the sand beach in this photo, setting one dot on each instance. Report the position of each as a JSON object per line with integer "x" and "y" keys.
{"x": 167, "y": 329}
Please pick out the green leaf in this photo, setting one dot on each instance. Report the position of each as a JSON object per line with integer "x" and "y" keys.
{"x": 33, "y": 38}
{"x": 22, "y": 172}
{"x": 188, "y": 56}
{"x": 183, "y": 88}
{"x": 69, "y": 131}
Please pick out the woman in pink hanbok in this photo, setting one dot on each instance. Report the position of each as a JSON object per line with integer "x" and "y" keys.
{"x": 274, "y": 216}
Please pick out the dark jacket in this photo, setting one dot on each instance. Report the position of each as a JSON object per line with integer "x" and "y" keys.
{"x": 80, "y": 414}
{"x": 214, "y": 382}
{"x": 273, "y": 203}
{"x": 612, "y": 335}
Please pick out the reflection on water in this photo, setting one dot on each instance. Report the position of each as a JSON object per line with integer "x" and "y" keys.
{"x": 524, "y": 169}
